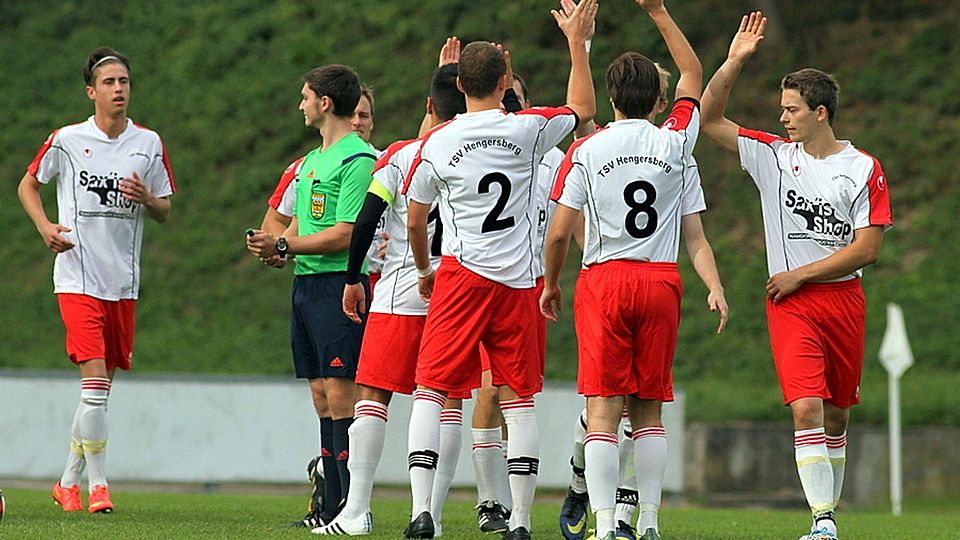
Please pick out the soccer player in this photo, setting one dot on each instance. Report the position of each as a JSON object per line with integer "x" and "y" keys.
{"x": 489, "y": 459}
{"x": 573, "y": 514}
{"x": 482, "y": 166}
{"x": 330, "y": 186}
{"x": 825, "y": 206}
{"x": 388, "y": 357}
{"x": 111, "y": 175}
{"x": 630, "y": 181}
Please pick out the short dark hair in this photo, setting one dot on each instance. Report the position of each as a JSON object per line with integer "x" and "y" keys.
{"x": 101, "y": 57}
{"x": 481, "y": 66}
{"x": 633, "y": 84}
{"x": 367, "y": 92}
{"x": 523, "y": 88}
{"x": 339, "y": 83}
{"x": 448, "y": 100}
{"x": 816, "y": 88}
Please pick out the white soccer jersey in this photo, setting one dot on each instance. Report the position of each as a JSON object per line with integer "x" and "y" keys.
{"x": 634, "y": 181}
{"x": 107, "y": 229}
{"x": 545, "y": 175}
{"x": 396, "y": 292}
{"x": 484, "y": 167}
{"x": 811, "y": 207}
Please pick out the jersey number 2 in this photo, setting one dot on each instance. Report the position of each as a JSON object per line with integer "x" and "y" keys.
{"x": 493, "y": 222}
{"x": 640, "y": 207}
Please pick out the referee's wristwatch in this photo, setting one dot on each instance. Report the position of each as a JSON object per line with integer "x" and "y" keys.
{"x": 282, "y": 247}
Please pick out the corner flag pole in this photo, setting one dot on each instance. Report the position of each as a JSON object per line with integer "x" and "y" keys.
{"x": 896, "y": 357}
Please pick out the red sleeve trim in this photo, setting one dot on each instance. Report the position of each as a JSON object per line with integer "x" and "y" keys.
{"x": 34, "y": 165}
{"x": 681, "y": 114}
{"x": 389, "y": 153}
{"x": 288, "y": 176}
{"x": 166, "y": 165}
{"x": 762, "y": 136}
{"x": 567, "y": 165}
{"x": 419, "y": 157}
{"x": 879, "y": 193}
{"x": 548, "y": 112}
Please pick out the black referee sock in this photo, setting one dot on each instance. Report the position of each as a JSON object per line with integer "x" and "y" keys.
{"x": 331, "y": 476}
{"x": 341, "y": 450}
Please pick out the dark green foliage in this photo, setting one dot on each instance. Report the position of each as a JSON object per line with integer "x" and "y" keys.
{"x": 220, "y": 82}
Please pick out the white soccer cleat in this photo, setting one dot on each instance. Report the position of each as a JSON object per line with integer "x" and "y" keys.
{"x": 820, "y": 534}
{"x": 361, "y": 525}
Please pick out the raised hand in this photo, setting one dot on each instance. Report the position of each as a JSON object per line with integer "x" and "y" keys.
{"x": 748, "y": 37}
{"x": 568, "y": 7}
{"x": 506, "y": 58}
{"x": 450, "y": 52}
{"x": 578, "y": 25}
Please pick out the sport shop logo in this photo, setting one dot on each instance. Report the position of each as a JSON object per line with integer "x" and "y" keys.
{"x": 107, "y": 188}
{"x": 820, "y": 216}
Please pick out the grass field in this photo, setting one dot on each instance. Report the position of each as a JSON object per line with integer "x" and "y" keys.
{"x": 177, "y": 515}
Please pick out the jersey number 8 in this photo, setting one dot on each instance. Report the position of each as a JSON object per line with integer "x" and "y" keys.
{"x": 640, "y": 207}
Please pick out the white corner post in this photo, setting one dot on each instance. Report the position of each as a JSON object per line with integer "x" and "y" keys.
{"x": 896, "y": 357}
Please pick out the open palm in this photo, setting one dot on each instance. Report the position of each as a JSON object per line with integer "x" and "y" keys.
{"x": 748, "y": 37}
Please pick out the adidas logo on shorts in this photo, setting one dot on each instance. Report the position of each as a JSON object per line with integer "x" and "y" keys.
{"x": 336, "y": 362}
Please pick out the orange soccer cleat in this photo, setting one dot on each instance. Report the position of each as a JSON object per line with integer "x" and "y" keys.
{"x": 67, "y": 498}
{"x": 100, "y": 500}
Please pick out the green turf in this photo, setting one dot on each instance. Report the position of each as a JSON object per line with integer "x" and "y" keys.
{"x": 31, "y": 514}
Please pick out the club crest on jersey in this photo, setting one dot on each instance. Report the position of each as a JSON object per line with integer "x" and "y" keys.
{"x": 820, "y": 216}
{"x": 882, "y": 183}
{"x": 796, "y": 170}
{"x": 318, "y": 204}
{"x": 87, "y": 152}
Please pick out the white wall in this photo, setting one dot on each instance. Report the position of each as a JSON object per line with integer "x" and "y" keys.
{"x": 209, "y": 429}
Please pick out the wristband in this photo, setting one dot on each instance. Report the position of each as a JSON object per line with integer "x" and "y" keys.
{"x": 425, "y": 273}
{"x": 586, "y": 44}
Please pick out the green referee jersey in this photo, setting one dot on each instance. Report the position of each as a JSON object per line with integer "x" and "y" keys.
{"x": 331, "y": 187}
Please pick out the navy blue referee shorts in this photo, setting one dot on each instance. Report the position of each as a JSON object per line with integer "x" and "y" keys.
{"x": 325, "y": 342}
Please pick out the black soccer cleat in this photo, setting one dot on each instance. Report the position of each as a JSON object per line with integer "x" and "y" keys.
{"x": 421, "y": 527}
{"x": 520, "y": 533}
{"x": 573, "y": 515}
{"x": 492, "y": 517}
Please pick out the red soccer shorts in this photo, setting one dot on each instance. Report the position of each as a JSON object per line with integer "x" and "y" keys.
{"x": 817, "y": 338}
{"x": 98, "y": 329}
{"x": 388, "y": 356}
{"x": 467, "y": 310}
{"x": 626, "y": 314}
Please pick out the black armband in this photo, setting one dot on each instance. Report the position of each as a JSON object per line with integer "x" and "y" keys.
{"x": 511, "y": 102}
{"x": 361, "y": 238}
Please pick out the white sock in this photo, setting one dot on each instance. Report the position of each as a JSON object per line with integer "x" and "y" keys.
{"x": 451, "y": 439}
{"x": 93, "y": 428}
{"x": 75, "y": 460}
{"x": 423, "y": 443}
{"x": 486, "y": 457}
{"x": 627, "y": 497}
{"x": 502, "y": 479}
{"x": 650, "y": 463}
{"x": 837, "y": 451}
{"x": 578, "y": 483}
{"x": 367, "y": 434}
{"x": 600, "y": 451}
{"x": 523, "y": 459}
{"x": 813, "y": 465}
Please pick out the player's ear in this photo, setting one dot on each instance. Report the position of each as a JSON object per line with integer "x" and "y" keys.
{"x": 822, "y": 114}
{"x": 90, "y": 92}
{"x": 460, "y": 86}
{"x": 429, "y": 105}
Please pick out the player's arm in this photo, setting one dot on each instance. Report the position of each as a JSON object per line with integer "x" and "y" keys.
{"x": 863, "y": 251}
{"x": 701, "y": 255}
{"x": 690, "y": 83}
{"x": 717, "y": 93}
{"x": 418, "y": 214}
{"x": 365, "y": 228}
{"x": 29, "y": 193}
{"x": 133, "y": 188}
{"x": 274, "y": 222}
{"x": 556, "y": 246}
{"x": 578, "y": 27}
